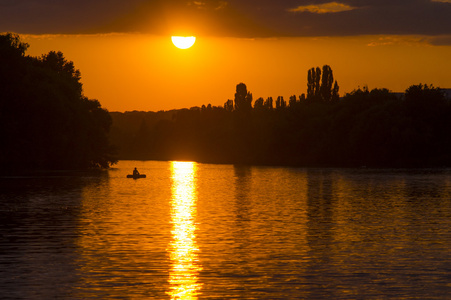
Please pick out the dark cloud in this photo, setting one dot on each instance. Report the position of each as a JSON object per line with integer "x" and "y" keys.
{"x": 59, "y": 16}
{"x": 242, "y": 18}
{"x": 444, "y": 40}
{"x": 358, "y": 17}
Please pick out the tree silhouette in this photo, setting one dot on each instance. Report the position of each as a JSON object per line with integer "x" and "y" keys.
{"x": 45, "y": 120}
{"x": 11, "y": 46}
{"x": 335, "y": 94}
{"x": 228, "y": 106}
{"x": 365, "y": 128}
{"x": 269, "y": 103}
{"x": 280, "y": 103}
{"x": 56, "y": 62}
{"x": 243, "y": 99}
{"x": 326, "y": 83}
{"x": 322, "y": 87}
{"x": 423, "y": 93}
{"x": 258, "y": 104}
{"x": 317, "y": 83}
{"x": 311, "y": 77}
{"x": 314, "y": 84}
{"x": 292, "y": 101}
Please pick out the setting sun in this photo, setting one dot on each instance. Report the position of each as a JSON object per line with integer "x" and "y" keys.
{"x": 183, "y": 42}
{"x": 225, "y": 149}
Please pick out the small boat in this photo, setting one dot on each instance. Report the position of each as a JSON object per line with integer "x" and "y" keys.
{"x": 137, "y": 176}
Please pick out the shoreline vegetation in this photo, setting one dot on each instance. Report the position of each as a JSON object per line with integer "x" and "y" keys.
{"x": 46, "y": 123}
{"x": 374, "y": 128}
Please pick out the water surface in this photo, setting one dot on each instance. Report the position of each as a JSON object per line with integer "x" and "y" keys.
{"x": 200, "y": 231}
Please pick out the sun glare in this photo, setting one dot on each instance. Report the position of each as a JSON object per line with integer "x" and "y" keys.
{"x": 183, "y": 42}
{"x": 183, "y": 249}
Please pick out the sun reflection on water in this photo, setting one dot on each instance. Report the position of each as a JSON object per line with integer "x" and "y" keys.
{"x": 183, "y": 276}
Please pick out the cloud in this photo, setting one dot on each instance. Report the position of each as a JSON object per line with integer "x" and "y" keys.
{"x": 444, "y": 40}
{"x": 62, "y": 16}
{"x": 398, "y": 40}
{"x": 216, "y": 5}
{"x": 409, "y": 40}
{"x": 233, "y": 18}
{"x": 325, "y": 8}
{"x": 180, "y": 17}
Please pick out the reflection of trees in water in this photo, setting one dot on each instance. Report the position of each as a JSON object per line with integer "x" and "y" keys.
{"x": 425, "y": 185}
{"x": 426, "y": 193}
{"x": 122, "y": 242}
{"x": 39, "y": 228}
{"x": 320, "y": 230}
{"x": 242, "y": 188}
{"x": 242, "y": 250}
{"x": 320, "y": 201}
{"x": 370, "y": 227}
{"x": 242, "y": 201}
{"x": 45, "y": 198}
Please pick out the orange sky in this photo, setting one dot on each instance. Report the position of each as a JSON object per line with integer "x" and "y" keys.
{"x": 146, "y": 72}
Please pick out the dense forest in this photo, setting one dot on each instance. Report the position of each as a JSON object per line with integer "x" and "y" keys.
{"x": 374, "y": 128}
{"x": 47, "y": 123}
{"x": 45, "y": 120}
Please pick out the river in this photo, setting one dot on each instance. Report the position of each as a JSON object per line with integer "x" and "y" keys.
{"x": 203, "y": 231}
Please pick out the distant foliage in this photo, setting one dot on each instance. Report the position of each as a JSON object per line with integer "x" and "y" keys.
{"x": 374, "y": 128}
{"x": 321, "y": 86}
{"x": 45, "y": 121}
{"x": 243, "y": 99}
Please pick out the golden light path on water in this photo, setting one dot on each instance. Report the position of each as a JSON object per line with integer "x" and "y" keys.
{"x": 185, "y": 268}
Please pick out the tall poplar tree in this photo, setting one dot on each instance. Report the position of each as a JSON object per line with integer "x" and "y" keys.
{"x": 335, "y": 95}
{"x": 243, "y": 98}
{"x": 326, "y": 83}
{"x": 311, "y": 83}
{"x": 319, "y": 87}
{"x": 317, "y": 83}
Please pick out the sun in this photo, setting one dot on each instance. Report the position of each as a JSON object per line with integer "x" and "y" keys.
{"x": 183, "y": 42}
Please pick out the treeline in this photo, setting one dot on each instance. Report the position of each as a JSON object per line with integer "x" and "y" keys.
{"x": 45, "y": 121}
{"x": 374, "y": 128}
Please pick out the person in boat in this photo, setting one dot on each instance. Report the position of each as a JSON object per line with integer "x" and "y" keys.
{"x": 135, "y": 172}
